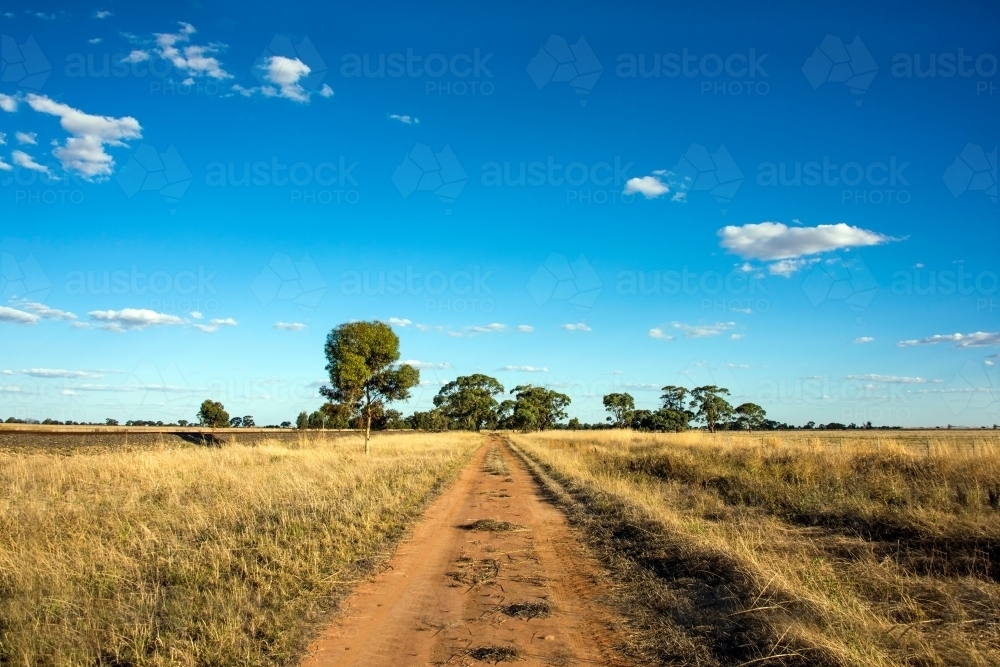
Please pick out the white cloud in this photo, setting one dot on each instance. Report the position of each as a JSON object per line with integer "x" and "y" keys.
{"x": 4, "y": 166}
{"x": 15, "y": 316}
{"x": 428, "y": 327}
{"x": 488, "y": 328}
{"x": 68, "y": 392}
{"x": 25, "y": 161}
{"x": 977, "y": 339}
{"x": 44, "y": 311}
{"x": 102, "y": 14}
{"x": 580, "y": 326}
{"x": 679, "y": 197}
{"x": 214, "y": 325}
{"x": 406, "y": 120}
{"x": 788, "y": 267}
{"x": 136, "y": 56}
{"x": 133, "y": 318}
{"x": 3, "y": 139}
{"x": 649, "y": 187}
{"x": 192, "y": 59}
{"x": 702, "y": 330}
{"x": 285, "y": 73}
{"x": 9, "y": 389}
{"x": 892, "y": 379}
{"x": 284, "y": 76}
{"x": 59, "y": 373}
{"x": 775, "y": 240}
{"x": 84, "y": 151}
{"x": 289, "y": 326}
{"x": 861, "y": 340}
{"x": 658, "y": 333}
{"x": 524, "y": 369}
{"x": 742, "y": 366}
{"x": 525, "y": 328}
{"x": 8, "y": 103}
{"x": 399, "y": 322}
{"x": 95, "y": 40}
{"x": 735, "y": 336}
{"x": 195, "y": 314}
{"x": 427, "y": 364}
{"x": 26, "y": 138}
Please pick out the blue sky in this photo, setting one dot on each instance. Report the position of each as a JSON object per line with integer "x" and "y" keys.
{"x": 796, "y": 203}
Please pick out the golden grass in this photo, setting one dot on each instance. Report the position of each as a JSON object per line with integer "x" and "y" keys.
{"x": 199, "y": 556}
{"x": 822, "y": 549}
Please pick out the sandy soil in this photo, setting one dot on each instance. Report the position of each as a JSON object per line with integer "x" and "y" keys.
{"x": 460, "y": 596}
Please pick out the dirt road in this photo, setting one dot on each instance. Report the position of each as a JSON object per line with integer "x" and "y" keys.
{"x": 492, "y": 573}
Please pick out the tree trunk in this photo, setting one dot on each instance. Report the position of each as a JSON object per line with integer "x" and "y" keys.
{"x": 368, "y": 429}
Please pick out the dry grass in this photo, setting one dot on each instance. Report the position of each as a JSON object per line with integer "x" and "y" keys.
{"x": 199, "y": 556}
{"x": 810, "y": 550}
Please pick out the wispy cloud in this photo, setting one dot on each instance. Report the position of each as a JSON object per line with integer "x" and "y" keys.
{"x": 775, "y": 241}
{"x": 14, "y": 316}
{"x": 659, "y": 334}
{"x": 524, "y": 369}
{"x": 525, "y": 328}
{"x": 401, "y": 322}
{"x": 133, "y": 319}
{"x": 26, "y": 138}
{"x": 289, "y": 326}
{"x": 406, "y": 120}
{"x": 861, "y": 340}
{"x": 702, "y": 330}
{"x": 892, "y": 379}
{"x": 579, "y": 326}
{"x": 977, "y": 339}
{"x": 429, "y": 365}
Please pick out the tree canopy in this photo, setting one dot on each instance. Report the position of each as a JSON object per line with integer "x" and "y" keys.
{"x": 468, "y": 401}
{"x": 362, "y": 362}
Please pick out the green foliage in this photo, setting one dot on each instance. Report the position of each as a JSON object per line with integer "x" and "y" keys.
{"x": 468, "y": 401}
{"x": 302, "y": 421}
{"x": 362, "y": 360}
{"x": 710, "y": 407}
{"x": 534, "y": 408}
{"x": 621, "y": 406}
{"x": 750, "y": 416}
{"x": 213, "y": 414}
{"x": 432, "y": 420}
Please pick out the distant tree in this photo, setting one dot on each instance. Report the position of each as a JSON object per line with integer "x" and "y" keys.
{"x": 338, "y": 415}
{"x": 235, "y": 422}
{"x": 213, "y": 414}
{"x": 286, "y": 424}
{"x": 248, "y": 422}
{"x": 182, "y": 422}
{"x": 710, "y": 407}
{"x": 574, "y": 424}
{"x": 362, "y": 365}
{"x": 107, "y": 422}
{"x": 534, "y": 408}
{"x": 468, "y": 401}
{"x": 432, "y": 420}
{"x": 750, "y": 417}
{"x": 302, "y": 421}
{"x": 673, "y": 413}
{"x": 621, "y": 406}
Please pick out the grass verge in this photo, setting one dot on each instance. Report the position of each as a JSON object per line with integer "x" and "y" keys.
{"x": 710, "y": 578}
{"x": 200, "y": 556}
